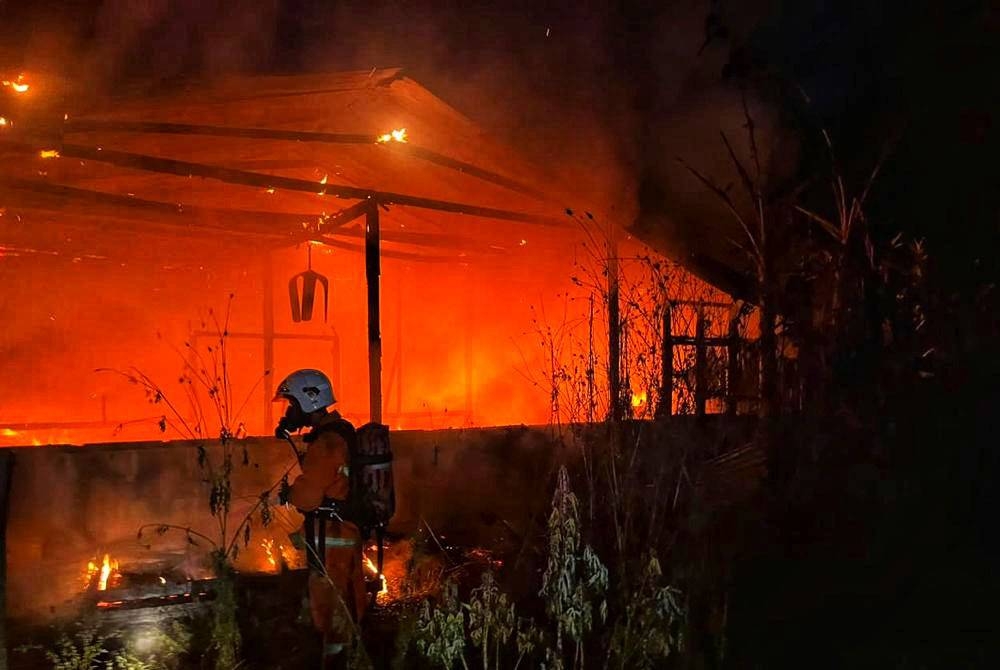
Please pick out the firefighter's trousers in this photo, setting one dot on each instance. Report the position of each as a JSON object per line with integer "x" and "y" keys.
{"x": 338, "y": 599}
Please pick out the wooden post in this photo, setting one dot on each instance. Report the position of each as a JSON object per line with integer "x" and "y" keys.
{"x": 614, "y": 330}
{"x": 665, "y": 407}
{"x": 267, "y": 330}
{"x": 372, "y": 273}
{"x": 467, "y": 346}
{"x": 733, "y": 369}
{"x": 399, "y": 347}
{"x": 6, "y": 470}
{"x": 336, "y": 361}
{"x": 700, "y": 363}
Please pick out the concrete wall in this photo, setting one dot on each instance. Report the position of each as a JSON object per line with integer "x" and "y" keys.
{"x": 70, "y": 505}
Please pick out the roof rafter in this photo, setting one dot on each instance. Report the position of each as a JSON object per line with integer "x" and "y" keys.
{"x": 152, "y": 127}
{"x": 246, "y": 178}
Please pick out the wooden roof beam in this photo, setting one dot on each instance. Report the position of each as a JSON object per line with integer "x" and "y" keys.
{"x": 95, "y": 125}
{"x": 88, "y": 125}
{"x": 246, "y": 178}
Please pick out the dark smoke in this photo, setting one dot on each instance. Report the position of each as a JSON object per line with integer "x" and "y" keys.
{"x": 590, "y": 90}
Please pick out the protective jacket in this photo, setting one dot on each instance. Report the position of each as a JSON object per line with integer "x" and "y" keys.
{"x": 325, "y": 474}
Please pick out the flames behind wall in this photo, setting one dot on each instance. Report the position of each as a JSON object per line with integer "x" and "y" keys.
{"x": 122, "y": 253}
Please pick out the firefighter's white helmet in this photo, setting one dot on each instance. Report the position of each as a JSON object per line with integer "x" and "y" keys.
{"x": 311, "y": 389}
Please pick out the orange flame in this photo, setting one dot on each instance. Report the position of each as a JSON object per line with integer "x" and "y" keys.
{"x": 104, "y": 572}
{"x": 638, "y": 399}
{"x": 106, "y": 568}
{"x": 18, "y": 85}
{"x": 8, "y": 432}
{"x": 49, "y": 153}
{"x": 291, "y": 558}
{"x": 383, "y": 591}
{"x": 4, "y": 122}
{"x": 278, "y": 556}
{"x": 268, "y": 545}
{"x": 397, "y": 135}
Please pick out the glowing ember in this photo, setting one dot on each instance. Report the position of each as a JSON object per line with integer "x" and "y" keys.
{"x": 4, "y": 122}
{"x": 48, "y": 153}
{"x": 323, "y": 180}
{"x": 104, "y": 572}
{"x": 9, "y": 432}
{"x": 269, "y": 191}
{"x": 397, "y": 135}
{"x": 638, "y": 399}
{"x": 18, "y": 85}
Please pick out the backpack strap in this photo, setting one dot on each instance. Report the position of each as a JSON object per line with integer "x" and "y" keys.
{"x": 339, "y": 510}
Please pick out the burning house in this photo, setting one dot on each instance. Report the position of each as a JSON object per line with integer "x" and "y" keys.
{"x": 677, "y": 351}
{"x": 233, "y": 230}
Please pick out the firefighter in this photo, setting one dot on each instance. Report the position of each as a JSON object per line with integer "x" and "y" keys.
{"x": 323, "y": 484}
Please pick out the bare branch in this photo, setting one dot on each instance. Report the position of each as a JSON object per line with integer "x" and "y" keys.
{"x": 824, "y": 224}
{"x": 724, "y": 197}
{"x": 751, "y": 132}
{"x": 871, "y": 178}
{"x": 748, "y": 182}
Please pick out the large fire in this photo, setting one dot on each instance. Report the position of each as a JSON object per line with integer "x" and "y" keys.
{"x": 450, "y": 357}
{"x": 397, "y": 135}
{"x": 105, "y": 573}
{"x": 17, "y": 85}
